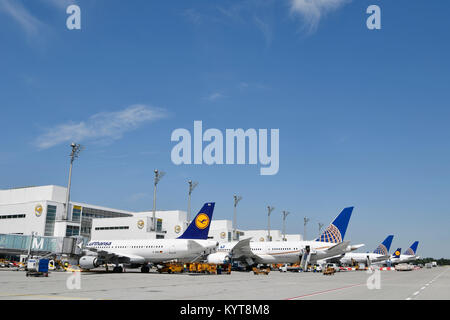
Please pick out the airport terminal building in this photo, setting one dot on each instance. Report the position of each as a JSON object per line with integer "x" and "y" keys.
{"x": 41, "y": 211}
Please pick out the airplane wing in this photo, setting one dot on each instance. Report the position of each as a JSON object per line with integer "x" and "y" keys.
{"x": 242, "y": 249}
{"x": 195, "y": 247}
{"x": 356, "y": 246}
{"x": 337, "y": 249}
{"x": 382, "y": 258}
{"x": 122, "y": 258}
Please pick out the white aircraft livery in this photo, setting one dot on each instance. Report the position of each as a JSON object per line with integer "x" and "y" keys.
{"x": 380, "y": 254}
{"x": 189, "y": 247}
{"x": 407, "y": 256}
{"x": 329, "y": 244}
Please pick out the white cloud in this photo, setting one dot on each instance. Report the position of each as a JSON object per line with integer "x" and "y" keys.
{"x": 214, "y": 96}
{"x": 312, "y": 11}
{"x": 101, "y": 126}
{"x": 27, "y": 21}
{"x": 22, "y": 16}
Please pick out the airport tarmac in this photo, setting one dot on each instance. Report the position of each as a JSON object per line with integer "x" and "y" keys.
{"x": 407, "y": 285}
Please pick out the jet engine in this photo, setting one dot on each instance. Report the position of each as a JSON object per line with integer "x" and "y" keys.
{"x": 219, "y": 258}
{"x": 88, "y": 262}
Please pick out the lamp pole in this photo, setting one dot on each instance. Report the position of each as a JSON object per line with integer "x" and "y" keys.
{"x": 76, "y": 149}
{"x": 320, "y": 228}
{"x": 192, "y": 186}
{"x": 305, "y": 221}
{"x": 285, "y": 214}
{"x": 236, "y": 201}
{"x": 269, "y": 211}
{"x": 158, "y": 177}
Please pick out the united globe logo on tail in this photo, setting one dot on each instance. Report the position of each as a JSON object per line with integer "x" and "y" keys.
{"x": 336, "y": 230}
{"x": 332, "y": 234}
{"x": 381, "y": 250}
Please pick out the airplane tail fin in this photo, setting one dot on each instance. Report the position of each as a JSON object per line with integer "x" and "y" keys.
{"x": 336, "y": 230}
{"x": 397, "y": 253}
{"x": 411, "y": 251}
{"x": 385, "y": 246}
{"x": 199, "y": 227}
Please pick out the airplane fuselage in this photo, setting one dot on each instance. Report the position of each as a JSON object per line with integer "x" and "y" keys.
{"x": 157, "y": 250}
{"x": 279, "y": 252}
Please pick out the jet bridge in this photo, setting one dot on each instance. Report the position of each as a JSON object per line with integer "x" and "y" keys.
{"x": 14, "y": 244}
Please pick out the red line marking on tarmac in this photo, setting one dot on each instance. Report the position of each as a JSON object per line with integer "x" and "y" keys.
{"x": 325, "y": 291}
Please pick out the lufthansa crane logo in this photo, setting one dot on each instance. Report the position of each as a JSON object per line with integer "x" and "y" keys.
{"x": 140, "y": 224}
{"x": 38, "y": 210}
{"x": 397, "y": 253}
{"x": 202, "y": 221}
{"x": 223, "y": 235}
{"x": 177, "y": 229}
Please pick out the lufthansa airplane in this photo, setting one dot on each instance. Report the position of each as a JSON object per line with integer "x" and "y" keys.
{"x": 407, "y": 256}
{"x": 189, "y": 247}
{"x": 380, "y": 254}
{"x": 329, "y": 244}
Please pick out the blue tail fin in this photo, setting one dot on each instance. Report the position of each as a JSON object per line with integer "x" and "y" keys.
{"x": 397, "y": 253}
{"x": 336, "y": 230}
{"x": 199, "y": 227}
{"x": 385, "y": 246}
{"x": 411, "y": 251}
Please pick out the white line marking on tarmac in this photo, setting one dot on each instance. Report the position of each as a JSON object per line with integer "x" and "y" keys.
{"x": 435, "y": 278}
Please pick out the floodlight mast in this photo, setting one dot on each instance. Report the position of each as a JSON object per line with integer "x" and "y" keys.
{"x": 158, "y": 177}
{"x": 192, "y": 186}
{"x": 236, "y": 201}
{"x": 320, "y": 228}
{"x": 269, "y": 210}
{"x": 305, "y": 221}
{"x": 285, "y": 214}
{"x": 76, "y": 149}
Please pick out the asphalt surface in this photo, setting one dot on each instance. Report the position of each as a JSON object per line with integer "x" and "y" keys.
{"x": 392, "y": 285}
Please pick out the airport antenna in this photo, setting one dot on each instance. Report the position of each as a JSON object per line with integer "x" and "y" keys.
{"x": 285, "y": 214}
{"x": 76, "y": 149}
{"x": 192, "y": 186}
{"x": 269, "y": 211}
{"x": 305, "y": 221}
{"x": 158, "y": 177}
{"x": 236, "y": 201}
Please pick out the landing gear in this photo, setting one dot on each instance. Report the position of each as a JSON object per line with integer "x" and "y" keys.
{"x": 145, "y": 269}
{"x": 118, "y": 269}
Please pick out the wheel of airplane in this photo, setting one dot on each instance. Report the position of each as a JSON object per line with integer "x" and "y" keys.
{"x": 145, "y": 269}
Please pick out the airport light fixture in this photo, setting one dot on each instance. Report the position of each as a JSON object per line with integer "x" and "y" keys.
{"x": 269, "y": 211}
{"x": 236, "y": 201}
{"x": 320, "y": 228}
{"x": 192, "y": 186}
{"x": 158, "y": 177}
{"x": 76, "y": 149}
{"x": 285, "y": 214}
{"x": 305, "y": 221}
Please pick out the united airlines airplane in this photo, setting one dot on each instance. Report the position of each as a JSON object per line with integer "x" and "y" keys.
{"x": 329, "y": 244}
{"x": 189, "y": 247}
{"x": 381, "y": 253}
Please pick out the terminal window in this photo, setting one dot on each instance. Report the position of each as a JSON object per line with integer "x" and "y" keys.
{"x": 12, "y": 216}
{"x": 50, "y": 221}
{"x": 113, "y": 228}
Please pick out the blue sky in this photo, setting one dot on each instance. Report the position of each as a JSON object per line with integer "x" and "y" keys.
{"x": 363, "y": 115}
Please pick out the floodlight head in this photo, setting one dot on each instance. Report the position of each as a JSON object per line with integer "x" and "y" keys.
{"x": 156, "y": 170}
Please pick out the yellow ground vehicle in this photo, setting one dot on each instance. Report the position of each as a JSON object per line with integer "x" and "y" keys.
{"x": 171, "y": 268}
{"x": 261, "y": 271}
{"x": 329, "y": 271}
